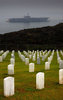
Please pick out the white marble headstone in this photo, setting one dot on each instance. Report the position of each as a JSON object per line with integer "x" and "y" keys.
{"x": 10, "y": 69}
{"x": 33, "y": 58}
{"x": 38, "y": 60}
{"x": 43, "y": 58}
{"x": 12, "y": 55}
{"x": 61, "y": 64}
{"x": 0, "y": 58}
{"x": 12, "y": 61}
{"x": 31, "y": 67}
{"x": 23, "y": 57}
{"x": 58, "y": 59}
{"x": 40, "y": 80}
{"x": 30, "y": 56}
{"x": 8, "y": 86}
{"x": 61, "y": 76}
{"x": 47, "y": 65}
{"x": 26, "y": 61}
{"x": 49, "y": 60}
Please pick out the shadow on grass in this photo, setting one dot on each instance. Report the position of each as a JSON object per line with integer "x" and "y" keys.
{"x": 57, "y": 84}
{"x": 40, "y": 63}
{"x": 6, "y": 75}
{"x": 31, "y": 89}
{"x": 37, "y": 71}
{"x": 2, "y": 96}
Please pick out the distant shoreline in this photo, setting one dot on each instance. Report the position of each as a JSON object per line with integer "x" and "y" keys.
{"x": 12, "y": 27}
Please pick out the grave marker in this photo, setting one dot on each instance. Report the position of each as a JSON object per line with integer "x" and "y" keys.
{"x": 61, "y": 76}
{"x": 8, "y": 86}
{"x": 38, "y": 60}
{"x": 10, "y": 69}
{"x": 12, "y": 61}
{"x": 40, "y": 80}
{"x": 47, "y": 65}
{"x": 26, "y": 61}
{"x": 31, "y": 67}
{"x": 43, "y": 58}
{"x": 0, "y": 58}
{"x": 61, "y": 64}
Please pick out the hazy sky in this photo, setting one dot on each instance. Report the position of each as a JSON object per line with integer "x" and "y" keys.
{"x": 35, "y": 8}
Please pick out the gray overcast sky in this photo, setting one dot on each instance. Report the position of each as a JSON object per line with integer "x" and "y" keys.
{"x": 36, "y": 8}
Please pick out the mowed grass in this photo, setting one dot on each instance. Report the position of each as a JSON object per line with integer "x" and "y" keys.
{"x": 25, "y": 81}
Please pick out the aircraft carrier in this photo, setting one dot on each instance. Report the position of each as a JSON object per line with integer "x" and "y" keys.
{"x": 29, "y": 19}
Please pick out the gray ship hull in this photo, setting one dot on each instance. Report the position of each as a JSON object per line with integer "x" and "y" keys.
{"x": 28, "y": 20}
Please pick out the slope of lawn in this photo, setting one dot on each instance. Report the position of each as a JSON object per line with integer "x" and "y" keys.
{"x": 25, "y": 81}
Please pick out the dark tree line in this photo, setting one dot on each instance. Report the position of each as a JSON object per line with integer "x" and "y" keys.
{"x": 50, "y": 35}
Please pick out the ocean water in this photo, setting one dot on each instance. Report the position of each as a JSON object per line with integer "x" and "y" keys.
{"x": 6, "y": 27}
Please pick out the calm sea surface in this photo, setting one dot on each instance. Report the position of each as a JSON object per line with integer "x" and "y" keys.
{"x": 6, "y": 27}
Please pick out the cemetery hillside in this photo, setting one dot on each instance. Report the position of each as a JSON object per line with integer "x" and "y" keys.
{"x": 31, "y": 75}
{"x": 47, "y": 35}
{"x": 31, "y": 64}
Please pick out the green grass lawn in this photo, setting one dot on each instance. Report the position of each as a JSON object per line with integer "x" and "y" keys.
{"x": 25, "y": 81}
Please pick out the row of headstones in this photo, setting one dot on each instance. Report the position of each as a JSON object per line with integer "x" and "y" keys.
{"x": 40, "y": 55}
{"x": 21, "y": 56}
{"x": 3, "y": 56}
{"x": 32, "y": 56}
{"x": 32, "y": 65}
{"x": 1, "y": 52}
{"x": 47, "y": 64}
{"x": 60, "y": 62}
{"x": 61, "y": 69}
{"x": 40, "y": 75}
{"x": 40, "y": 79}
{"x": 12, "y": 63}
{"x": 33, "y": 53}
{"x": 44, "y": 56}
{"x": 40, "y": 82}
{"x": 58, "y": 57}
{"x": 61, "y": 52}
{"x": 9, "y": 81}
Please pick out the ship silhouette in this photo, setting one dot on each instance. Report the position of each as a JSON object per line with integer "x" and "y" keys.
{"x": 27, "y": 18}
